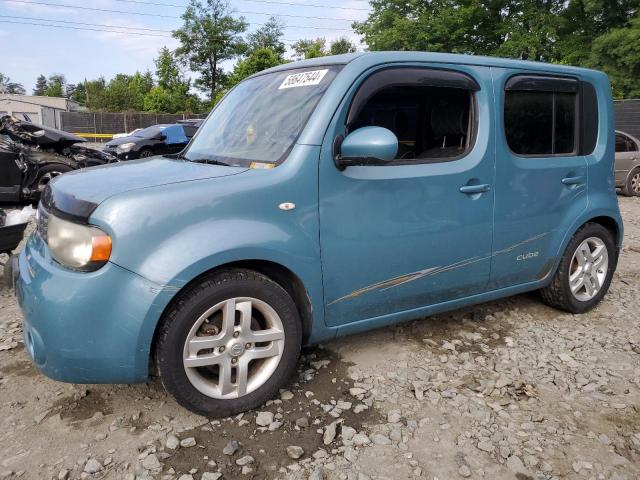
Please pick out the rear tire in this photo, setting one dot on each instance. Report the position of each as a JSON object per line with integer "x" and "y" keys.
{"x": 632, "y": 186}
{"x": 237, "y": 370}
{"x": 590, "y": 283}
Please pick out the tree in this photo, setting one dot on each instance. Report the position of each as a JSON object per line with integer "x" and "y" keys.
{"x": 77, "y": 92}
{"x": 255, "y": 62}
{"x": 56, "y": 85}
{"x": 268, "y": 36}
{"x": 7, "y": 86}
{"x": 96, "y": 94}
{"x": 41, "y": 85}
{"x": 167, "y": 69}
{"x": 310, "y": 48}
{"x": 617, "y": 52}
{"x": 342, "y": 45}
{"x": 209, "y": 36}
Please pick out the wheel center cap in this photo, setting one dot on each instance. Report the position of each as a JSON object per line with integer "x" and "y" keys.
{"x": 236, "y": 349}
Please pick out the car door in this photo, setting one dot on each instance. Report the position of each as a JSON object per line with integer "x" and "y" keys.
{"x": 541, "y": 174}
{"x": 417, "y": 231}
{"x": 627, "y": 157}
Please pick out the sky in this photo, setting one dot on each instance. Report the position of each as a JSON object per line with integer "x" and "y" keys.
{"x": 29, "y": 50}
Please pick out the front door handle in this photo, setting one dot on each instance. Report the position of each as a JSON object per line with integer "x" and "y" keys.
{"x": 475, "y": 189}
{"x": 573, "y": 180}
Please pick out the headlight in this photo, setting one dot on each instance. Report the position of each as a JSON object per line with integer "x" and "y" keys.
{"x": 125, "y": 147}
{"x": 80, "y": 247}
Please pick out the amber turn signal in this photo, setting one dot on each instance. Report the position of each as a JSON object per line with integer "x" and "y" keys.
{"x": 101, "y": 250}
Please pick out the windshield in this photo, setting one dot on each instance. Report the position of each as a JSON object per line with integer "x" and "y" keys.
{"x": 261, "y": 118}
{"x": 148, "y": 132}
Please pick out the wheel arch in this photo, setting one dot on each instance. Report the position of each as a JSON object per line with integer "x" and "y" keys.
{"x": 277, "y": 272}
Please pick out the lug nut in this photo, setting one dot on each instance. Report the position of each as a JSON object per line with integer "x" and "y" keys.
{"x": 234, "y": 360}
{"x": 221, "y": 349}
{"x": 236, "y": 334}
{"x": 248, "y": 345}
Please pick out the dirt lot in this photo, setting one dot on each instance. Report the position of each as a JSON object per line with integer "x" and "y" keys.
{"x": 507, "y": 390}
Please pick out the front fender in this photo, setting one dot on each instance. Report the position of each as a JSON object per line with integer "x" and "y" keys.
{"x": 174, "y": 233}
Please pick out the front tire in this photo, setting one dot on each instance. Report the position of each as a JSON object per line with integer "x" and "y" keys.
{"x": 228, "y": 343}
{"x": 145, "y": 153}
{"x": 585, "y": 271}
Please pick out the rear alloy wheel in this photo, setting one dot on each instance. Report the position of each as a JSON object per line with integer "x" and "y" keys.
{"x": 632, "y": 187}
{"x": 228, "y": 343}
{"x": 585, "y": 270}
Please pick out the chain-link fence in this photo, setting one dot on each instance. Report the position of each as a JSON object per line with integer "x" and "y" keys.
{"x": 100, "y": 126}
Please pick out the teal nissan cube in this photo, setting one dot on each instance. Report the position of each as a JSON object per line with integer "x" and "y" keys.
{"x": 319, "y": 199}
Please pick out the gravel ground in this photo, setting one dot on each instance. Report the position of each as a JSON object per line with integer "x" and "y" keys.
{"x": 506, "y": 390}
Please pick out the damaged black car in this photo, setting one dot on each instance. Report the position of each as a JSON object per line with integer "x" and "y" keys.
{"x": 32, "y": 155}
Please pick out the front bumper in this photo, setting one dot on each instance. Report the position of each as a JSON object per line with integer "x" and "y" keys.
{"x": 92, "y": 327}
{"x": 130, "y": 155}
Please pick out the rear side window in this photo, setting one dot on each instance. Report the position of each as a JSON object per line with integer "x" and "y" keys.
{"x": 540, "y": 116}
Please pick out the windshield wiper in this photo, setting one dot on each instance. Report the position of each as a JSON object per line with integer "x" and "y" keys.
{"x": 208, "y": 161}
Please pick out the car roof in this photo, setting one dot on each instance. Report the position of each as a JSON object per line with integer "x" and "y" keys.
{"x": 372, "y": 58}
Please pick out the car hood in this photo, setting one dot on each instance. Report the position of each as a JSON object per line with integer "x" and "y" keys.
{"x": 121, "y": 140}
{"x": 77, "y": 194}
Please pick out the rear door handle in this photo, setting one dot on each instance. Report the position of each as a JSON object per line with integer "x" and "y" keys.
{"x": 473, "y": 189}
{"x": 573, "y": 180}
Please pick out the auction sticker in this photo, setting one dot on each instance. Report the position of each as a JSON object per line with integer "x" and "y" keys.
{"x": 303, "y": 79}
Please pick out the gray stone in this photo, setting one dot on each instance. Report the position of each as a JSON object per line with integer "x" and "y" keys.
{"x": 380, "y": 439}
{"x": 231, "y": 447}
{"x": 318, "y": 474}
{"x": 172, "y": 442}
{"x": 92, "y": 466}
{"x": 329, "y": 433}
{"x": 246, "y": 460}
{"x": 211, "y": 476}
{"x": 464, "y": 471}
{"x": 188, "y": 442}
{"x": 264, "y": 419}
{"x": 295, "y": 452}
{"x": 151, "y": 462}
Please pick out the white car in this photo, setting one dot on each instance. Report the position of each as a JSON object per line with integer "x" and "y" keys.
{"x": 122, "y": 135}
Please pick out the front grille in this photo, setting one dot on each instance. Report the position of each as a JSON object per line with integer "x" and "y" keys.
{"x": 42, "y": 223}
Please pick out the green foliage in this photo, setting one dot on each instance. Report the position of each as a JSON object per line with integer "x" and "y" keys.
{"x": 342, "y": 45}
{"x": 41, "y": 85}
{"x": 7, "y": 86}
{"x": 617, "y": 52}
{"x": 597, "y": 33}
{"x": 209, "y": 36}
{"x": 256, "y": 61}
{"x": 269, "y": 36}
{"x": 56, "y": 86}
{"x": 313, "y": 48}
{"x": 310, "y": 48}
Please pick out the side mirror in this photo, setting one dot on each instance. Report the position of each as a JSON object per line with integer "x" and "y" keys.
{"x": 366, "y": 146}
{"x": 161, "y": 136}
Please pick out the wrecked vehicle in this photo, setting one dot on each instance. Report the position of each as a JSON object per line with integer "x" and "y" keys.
{"x": 12, "y": 229}
{"x": 31, "y": 155}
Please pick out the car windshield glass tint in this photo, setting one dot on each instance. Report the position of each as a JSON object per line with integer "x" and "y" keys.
{"x": 262, "y": 117}
{"x": 148, "y": 132}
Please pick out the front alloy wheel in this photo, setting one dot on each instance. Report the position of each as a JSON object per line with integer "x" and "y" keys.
{"x": 234, "y": 348}
{"x": 228, "y": 343}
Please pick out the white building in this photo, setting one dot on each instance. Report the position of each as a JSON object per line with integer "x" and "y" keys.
{"x": 41, "y": 110}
